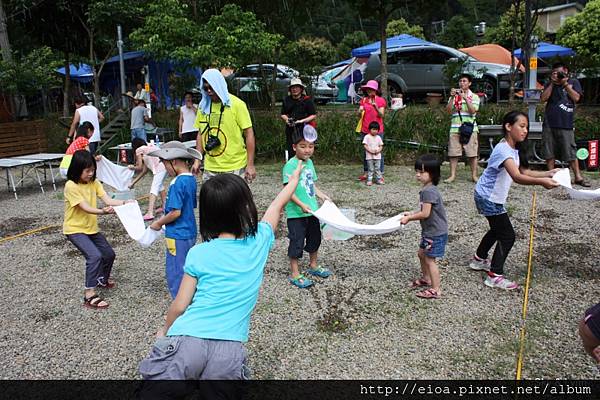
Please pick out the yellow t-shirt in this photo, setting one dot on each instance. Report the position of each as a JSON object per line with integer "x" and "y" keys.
{"x": 231, "y": 153}
{"x": 77, "y": 220}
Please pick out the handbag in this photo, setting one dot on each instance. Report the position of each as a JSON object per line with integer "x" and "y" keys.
{"x": 465, "y": 130}
{"x": 360, "y": 122}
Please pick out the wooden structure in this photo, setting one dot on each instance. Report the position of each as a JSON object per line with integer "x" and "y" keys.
{"x": 22, "y": 138}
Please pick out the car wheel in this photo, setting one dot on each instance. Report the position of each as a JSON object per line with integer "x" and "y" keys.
{"x": 488, "y": 86}
{"x": 394, "y": 89}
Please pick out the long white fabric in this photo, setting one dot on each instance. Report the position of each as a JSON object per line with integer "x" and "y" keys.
{"x": 131, "y": 218}
{"x": 331, "y": 215}
{"x": 563, "y": 177}
{"x": 114, "y": 175}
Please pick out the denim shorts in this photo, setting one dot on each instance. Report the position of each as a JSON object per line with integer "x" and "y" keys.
{"x": 488, "y": 208}
{"x": 434, "y": 246}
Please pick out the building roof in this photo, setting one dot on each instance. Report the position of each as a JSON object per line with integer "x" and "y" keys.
{"x": 559, "y": 7}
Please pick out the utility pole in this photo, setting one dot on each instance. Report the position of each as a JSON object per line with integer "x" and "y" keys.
{"x": 121, "y": 65}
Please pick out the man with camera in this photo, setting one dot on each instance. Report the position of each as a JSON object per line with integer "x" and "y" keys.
{"x": 297, "y": 109}
{"x": 463, "y": 105}
{"x": 225, "y": 134}
{"x": 561, "y": 94}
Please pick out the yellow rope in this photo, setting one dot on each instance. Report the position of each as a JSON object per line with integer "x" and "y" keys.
{"x": 6, "y": 239}
{"x": 526, "y": 292}
{"x": 30, "y": 232}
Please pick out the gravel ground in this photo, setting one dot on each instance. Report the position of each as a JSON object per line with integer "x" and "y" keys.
{"x": 361, "y": 323}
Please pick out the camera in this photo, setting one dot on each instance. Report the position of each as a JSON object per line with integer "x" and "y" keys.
{"x": 560, "y": 75}
{"x": 212, "y": 143}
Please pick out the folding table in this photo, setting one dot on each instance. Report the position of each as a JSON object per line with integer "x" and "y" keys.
{"x": 10, "y": 163}
{"x": 45, "y": 158}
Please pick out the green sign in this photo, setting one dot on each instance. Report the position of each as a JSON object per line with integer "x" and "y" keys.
{"x": 583, "y": 154}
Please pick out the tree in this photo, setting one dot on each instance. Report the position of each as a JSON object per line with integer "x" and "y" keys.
{"x": 53, "y": 24}
{"x": 581, "y": 32}
{"x": 169, "y": 33}
{"x": 351, "y": 41}
{"x": 29, "y": 74}
{"x": 309, "y": 54}
{"x": 512, "y": 20}
{"x": 237, "y": 38}
{"x": 458, "y": 33}
{"x": 400, "y": 26}
{"x": 101, "y": 37}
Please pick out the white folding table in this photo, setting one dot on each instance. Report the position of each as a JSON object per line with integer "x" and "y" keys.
{"x": 44, "y": 158}
{"x": 26, "y": 167}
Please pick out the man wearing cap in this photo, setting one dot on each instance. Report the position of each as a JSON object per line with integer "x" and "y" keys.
{"x": 297, "y": 110}
{"x": 225, "y": 134}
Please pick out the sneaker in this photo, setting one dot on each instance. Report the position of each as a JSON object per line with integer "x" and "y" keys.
{"x": 369, "y": 183}
{"x": 380, "y": 182}
{"x": 479, "y": 264}
{"x": 363, "y": 177}
{"x": 500, "y": 282}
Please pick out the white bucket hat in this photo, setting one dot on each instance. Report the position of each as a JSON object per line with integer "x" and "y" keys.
{"x": 174, "y": 149}
{"x": 296, "y": 82}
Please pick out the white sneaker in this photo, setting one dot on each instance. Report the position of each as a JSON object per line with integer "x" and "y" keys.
{"x": 500, "y": 282}
{"x": 479, "y": 265}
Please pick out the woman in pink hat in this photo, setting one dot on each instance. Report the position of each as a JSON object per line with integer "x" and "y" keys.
{"x": 372, "y": 108}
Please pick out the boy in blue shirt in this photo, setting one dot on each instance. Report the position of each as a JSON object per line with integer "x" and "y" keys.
{"x": 178, "y": 218}
{"x": 304, "y": 229}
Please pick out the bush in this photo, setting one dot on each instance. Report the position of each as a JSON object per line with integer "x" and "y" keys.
{"x": 416, "y": 127}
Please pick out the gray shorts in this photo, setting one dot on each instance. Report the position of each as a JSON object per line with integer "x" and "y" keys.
{"x": 206, "y": 175}
{"x": 558, "y": 143}
{"x": 191, "y": 358}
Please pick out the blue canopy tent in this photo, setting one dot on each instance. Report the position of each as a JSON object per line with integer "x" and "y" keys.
{"x": 159, "y": 75}
{"x": 391, "y": 43}
{"x": 549, "y": 50}
{"x": 79, "y": 73}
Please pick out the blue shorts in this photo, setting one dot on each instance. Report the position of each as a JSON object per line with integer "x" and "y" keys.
{"x": 488, "y": 208}
{"x": 434, "y": 246}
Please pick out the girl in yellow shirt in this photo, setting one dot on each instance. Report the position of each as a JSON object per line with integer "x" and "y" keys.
{"x": 81, "y": 225}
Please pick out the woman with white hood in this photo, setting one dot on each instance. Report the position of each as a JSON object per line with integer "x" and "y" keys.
{"x": 225, "y": 134}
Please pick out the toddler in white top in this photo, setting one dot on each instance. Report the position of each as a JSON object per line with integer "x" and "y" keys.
{"x": 373, "y": 148}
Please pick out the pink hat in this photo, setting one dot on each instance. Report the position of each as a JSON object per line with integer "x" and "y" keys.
{"x": 372, "y": 84}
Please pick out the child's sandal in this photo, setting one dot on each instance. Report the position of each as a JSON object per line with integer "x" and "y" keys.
{"x": 94, "y": 302}
{"x": 429, "y": 294}
{"x": 417, "y": 283}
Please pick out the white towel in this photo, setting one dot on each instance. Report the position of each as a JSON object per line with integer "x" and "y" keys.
{"x": 563, "y": 177}
{"x": 113, "y": 174}
{"x": 331, "y": 215}
{"x": 131, "y": 218}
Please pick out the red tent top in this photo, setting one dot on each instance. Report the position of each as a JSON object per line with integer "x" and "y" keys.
{"x": 492, "y": 53}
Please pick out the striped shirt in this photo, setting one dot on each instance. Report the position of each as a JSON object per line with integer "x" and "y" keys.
{"x": 457, "y": 102}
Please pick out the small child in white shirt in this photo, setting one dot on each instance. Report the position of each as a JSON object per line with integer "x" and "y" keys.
{"x": 373, "y": 147}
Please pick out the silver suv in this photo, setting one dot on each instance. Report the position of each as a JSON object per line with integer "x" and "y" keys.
{"x": 417, "y": 70}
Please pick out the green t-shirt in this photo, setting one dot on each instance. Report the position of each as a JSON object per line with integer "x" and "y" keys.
{"x": 306, "y": 188}
{"x": 464, "y": 113}
{"x": 231, "y": 153}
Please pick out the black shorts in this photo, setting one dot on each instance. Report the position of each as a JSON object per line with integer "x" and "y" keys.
{"x": 301, "y": 230}
{"x": 592, "y": 320}
{"x": 187, "y": 136}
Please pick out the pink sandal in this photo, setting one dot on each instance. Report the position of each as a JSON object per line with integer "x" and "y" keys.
{"x": 148, "y": 217}
{"x": 417, "y": 283}
{"x": 429, "y": 294}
